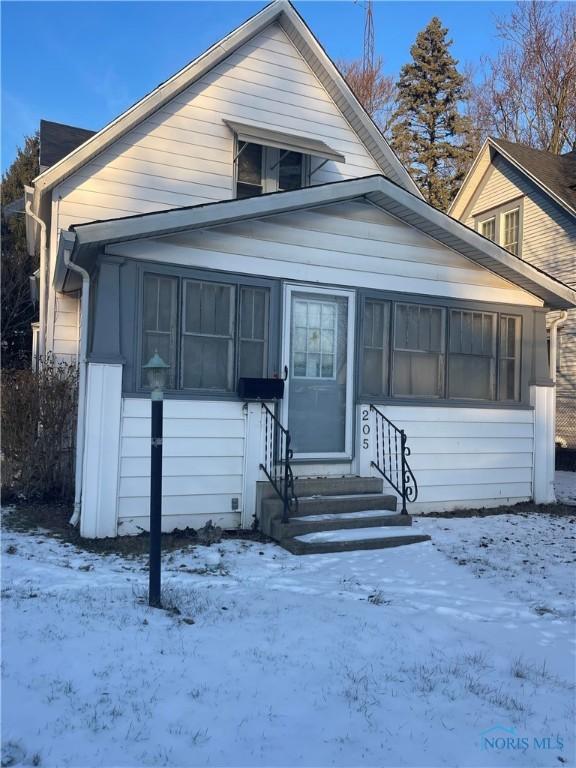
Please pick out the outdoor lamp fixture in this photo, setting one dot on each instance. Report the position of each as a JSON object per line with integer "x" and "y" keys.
{"x": 157, "y": 370}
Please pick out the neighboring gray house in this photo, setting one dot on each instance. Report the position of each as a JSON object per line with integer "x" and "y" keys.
{"x": 247, "y": 219}
{"x": 525, "y": 200}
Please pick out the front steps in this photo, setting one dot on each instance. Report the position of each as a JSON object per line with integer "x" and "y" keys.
{"x": 339, "y": 514}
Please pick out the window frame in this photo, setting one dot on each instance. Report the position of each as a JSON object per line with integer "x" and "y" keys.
{"x": 523, "y": 313}
{"x": 498, "y": 213}
{"x": 181, "y": 274}
{"x": 495, "y": 357}
{"x": 271, "y": 157}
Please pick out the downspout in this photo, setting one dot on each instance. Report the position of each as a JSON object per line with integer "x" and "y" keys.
{"x": 80, "y": 428}
{"x": 43, "y": 281}
{"x": 554, "y": 325}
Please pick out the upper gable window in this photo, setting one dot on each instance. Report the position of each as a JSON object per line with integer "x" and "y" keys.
{"x": 503, "y": 226}
{"x": 267, "y": 169}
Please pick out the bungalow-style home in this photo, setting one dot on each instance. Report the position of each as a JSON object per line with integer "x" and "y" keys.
{"x": 524, "y": 199}
{"x": 247, "y": 221}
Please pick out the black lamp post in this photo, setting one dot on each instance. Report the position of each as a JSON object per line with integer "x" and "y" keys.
{"x": 156, "y": 369}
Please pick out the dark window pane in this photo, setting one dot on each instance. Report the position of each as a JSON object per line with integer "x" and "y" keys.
{"x": 250, "y": 163}
{"x": 472, "y": 363}
{"x": 509, "y": 364}
{"x": 418, "y": 374}
{"x": 419, "y": 351}
{"x": 471, "y": 377}
{"x": 375, "y": 353}
{"x": 247, "y": 190}
{"x": 206, "y": 362}
{"x": 253, "y": 331}
{"x": 159, "y": 323}
{"x": 290, "y": 170}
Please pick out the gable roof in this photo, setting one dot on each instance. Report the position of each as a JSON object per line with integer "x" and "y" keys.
{"x": 85, "y": 241}
{"x": 283, "y": 13}
{"x": 554, "y": 174}
{"x": 57, "y": 140}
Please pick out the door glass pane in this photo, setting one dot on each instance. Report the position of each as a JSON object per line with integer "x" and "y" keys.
{"x": 318, "y": 372}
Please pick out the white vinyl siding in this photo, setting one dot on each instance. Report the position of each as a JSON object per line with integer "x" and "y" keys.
{"x": 202, "y": 465}
{"x": 349, "y": 244}
{"x": 465, "y": 457}
{"x": 183, "y": 154}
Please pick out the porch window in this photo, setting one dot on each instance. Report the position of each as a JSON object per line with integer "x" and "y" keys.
{"x": 210, "y": 333}
{"x": 159, "y": 321}
{"x": 509, "y": 373}
{"x": 472, "y": 355}
{"x": 419, "y": 350}
{"x": 253, "y": 331}
{"x": 207, "y": 336}
{"x": 376, "y": 335}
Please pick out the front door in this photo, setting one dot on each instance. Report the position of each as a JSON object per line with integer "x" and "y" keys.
{"x": 318, "y": 353}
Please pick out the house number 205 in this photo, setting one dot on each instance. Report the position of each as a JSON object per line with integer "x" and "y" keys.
{"x": 365, "y": 428}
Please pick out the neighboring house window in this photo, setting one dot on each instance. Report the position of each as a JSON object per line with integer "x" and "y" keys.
{"x": 509, "y": 374}
{"x": 472, "y": 355}
{"x": 502, "y": 226}
{"x": 476, "y": 353}
{"x": 488, "y": 228}
{"x": 266, "y": 169}
{"x": 418, "y": 351}
{"x": 222, "y": 332}
{"x": 511, "y": 231}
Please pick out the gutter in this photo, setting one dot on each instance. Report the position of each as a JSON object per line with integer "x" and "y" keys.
{"x": 82, "y": 362}
{"x": 554, "y": 325}
{"x": 43, "y": 279}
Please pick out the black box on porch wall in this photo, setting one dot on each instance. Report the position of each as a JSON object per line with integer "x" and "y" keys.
{"x": 260, "y": 389}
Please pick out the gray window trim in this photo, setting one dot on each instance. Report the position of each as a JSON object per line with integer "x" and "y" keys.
{"x": 132, "y": 384}
{"x": 523, "y": 312}
{"x": 497, "y": 212}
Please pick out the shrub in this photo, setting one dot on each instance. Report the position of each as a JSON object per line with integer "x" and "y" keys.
{"x": 39, "y": 430}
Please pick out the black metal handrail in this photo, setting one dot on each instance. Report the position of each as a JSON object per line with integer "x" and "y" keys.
{"x": 277, "y": 457}
{"x": 391, "y": 458}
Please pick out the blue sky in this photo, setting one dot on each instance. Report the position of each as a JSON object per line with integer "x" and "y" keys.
{"x": 83, "y": 63}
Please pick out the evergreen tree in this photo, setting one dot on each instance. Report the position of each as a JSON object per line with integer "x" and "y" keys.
{"x": 429, "y": 133}
{"x": 17, "y": 266}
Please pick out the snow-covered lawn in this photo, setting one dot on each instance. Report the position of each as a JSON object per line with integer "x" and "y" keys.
{"x": 399, "y": 657}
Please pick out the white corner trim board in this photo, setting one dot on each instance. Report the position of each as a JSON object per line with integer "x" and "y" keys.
{"x": 101, "y": 451}
{"x": 544, "y": 401}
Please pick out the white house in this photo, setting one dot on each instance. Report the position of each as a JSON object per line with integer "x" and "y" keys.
{"x": 248, "y": 219}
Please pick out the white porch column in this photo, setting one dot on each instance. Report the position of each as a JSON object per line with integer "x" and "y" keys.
{"x": 543, "y": 398}
{"x": 253, "y": 457}
{"x": 101, "y": 450}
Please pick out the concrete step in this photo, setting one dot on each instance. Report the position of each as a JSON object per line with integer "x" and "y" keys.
{"x": 337, "y": 486}
{"x": 349, "y": 541}
{"x": 319, "y": 505}
{"x": 298, "y": 526}
{"x": 347, "y": 485}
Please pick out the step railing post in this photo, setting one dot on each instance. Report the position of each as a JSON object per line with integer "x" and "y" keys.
{"x": 403, "y": 469}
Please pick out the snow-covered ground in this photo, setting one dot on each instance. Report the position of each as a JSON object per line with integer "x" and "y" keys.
{"x": 565, "y": 484}
{"x": 428, "y": 655}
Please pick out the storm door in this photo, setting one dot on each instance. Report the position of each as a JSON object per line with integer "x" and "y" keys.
{"x": 318, "y": 353}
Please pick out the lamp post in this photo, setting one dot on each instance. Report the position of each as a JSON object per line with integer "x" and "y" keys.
{"x": 156, "y": 369}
